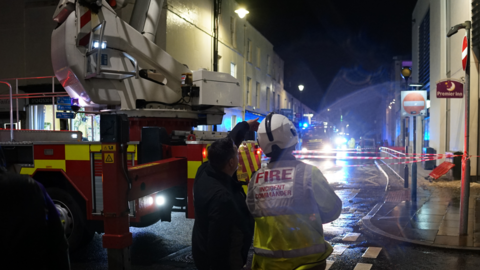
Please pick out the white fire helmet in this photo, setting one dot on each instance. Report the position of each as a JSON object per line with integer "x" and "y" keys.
{"x": 276, "y": 129}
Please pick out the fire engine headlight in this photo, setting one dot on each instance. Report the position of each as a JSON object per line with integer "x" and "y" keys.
{"x": 160, "y": 200}
{"x": 148, "y": 201}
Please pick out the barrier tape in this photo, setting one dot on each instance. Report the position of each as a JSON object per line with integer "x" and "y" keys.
{"x": 356, "y": 152}
{"x": 335, "y": 157}
{"x": 366, "y": 165}
{"x": 384, "y": 163}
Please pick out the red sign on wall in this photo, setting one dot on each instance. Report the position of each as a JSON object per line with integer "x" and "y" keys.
{"x": 449, "y": 88}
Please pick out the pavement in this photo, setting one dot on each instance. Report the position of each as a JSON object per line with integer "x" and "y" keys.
{"x": 433, "y": 219}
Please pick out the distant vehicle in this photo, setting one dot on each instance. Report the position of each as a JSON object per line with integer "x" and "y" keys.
{"x": 367, "y": 145}
{"x": 313, "y": 140}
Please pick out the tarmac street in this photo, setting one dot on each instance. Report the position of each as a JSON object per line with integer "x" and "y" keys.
{"x": 379, "y": 227}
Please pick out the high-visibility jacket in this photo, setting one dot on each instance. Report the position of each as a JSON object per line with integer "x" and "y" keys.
{"x": 290, "y": 201}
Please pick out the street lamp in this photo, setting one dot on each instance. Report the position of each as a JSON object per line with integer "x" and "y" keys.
{"x": 301, "y": 87}
{"x": 465, "y": 192}
{"x": 241, "y": 12}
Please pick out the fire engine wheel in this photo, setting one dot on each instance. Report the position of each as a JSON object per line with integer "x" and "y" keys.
{"x": 71, "y": 216}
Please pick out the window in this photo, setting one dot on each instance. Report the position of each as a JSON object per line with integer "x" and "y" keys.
{"x": 233, "y": 70}
{"x": 268, "y": 99}
{"x": 249, "y": 91}
{"x": 257, "y": 95}
{"x": 424, "y": 52}
{"x": 259, "y": 57}
{"x": 268, "y": 64}
{"x": 233, "y": 36}
{"x": 249, "y": 51}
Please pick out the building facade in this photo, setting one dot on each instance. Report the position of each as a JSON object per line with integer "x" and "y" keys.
{"x": 185, "y": 31}
{"x": 436, "y": 57}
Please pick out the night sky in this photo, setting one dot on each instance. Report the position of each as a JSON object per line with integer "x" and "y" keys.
{"x": 316, "y": 38}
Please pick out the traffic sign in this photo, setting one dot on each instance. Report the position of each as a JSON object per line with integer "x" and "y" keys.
{"x": 64, "y": 115}
{"x": 464, "y": 52}
{"x": 64, "y": 107}
{"x": 414, "y": 103}
{"x": 64, "y": 100}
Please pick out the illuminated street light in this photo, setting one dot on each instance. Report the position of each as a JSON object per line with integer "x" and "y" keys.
{"x": 301, "y": 87}
{"x": 241, "y": 12}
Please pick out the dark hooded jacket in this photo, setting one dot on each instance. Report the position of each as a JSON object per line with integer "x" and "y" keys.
{"x": 31, "y": 234}
{"x": 223, "y": 229}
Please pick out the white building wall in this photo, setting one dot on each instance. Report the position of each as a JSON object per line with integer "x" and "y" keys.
{"x": 185, "y": 31}
{"x": 447, "y": 126}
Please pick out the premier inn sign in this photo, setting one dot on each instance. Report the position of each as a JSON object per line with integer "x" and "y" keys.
{"x": 449, "y": 88}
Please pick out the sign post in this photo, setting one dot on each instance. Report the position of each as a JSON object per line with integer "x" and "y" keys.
{"x": 465, "y": 192}
{"x": 414, "y": 104}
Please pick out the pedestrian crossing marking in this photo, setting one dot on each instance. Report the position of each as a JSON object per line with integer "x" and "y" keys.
{"x": 108, "y": 158}
{"x": 329, "y": 264}
{"x": 351, "y": 237}
{"x": 363, "y": 266}
{"x": 372, "y": 252}
{"x": 339, "y": 249}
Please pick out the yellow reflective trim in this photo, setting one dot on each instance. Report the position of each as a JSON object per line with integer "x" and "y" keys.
{"x": 205, "y": 159}
{"x": 26, "y": 170}
{"x": 77, "y": 152}
{"x": 193, "y": 168}
{"x": 44, "y": 164}
{"x": 132, "y": 148}
{"x": 252, "y": 156}
{"x": 95, "y": 147}
{"x": 274, "y": 232}
{"x": 245, "y": 161}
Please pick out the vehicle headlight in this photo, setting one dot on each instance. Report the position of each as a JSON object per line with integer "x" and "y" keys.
{"x": 148, "y": 201}
{"x": 160, "y": 200}
{"x": 327, "y": 147}
{"x": 304, "y": 149}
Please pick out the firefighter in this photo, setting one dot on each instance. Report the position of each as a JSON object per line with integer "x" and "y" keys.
{"x": 32, "y": 237}
{"x": 290, "y": 200}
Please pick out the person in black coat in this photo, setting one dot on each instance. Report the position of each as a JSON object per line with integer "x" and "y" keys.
{"x": 223, "y": 229}
{"x": 31, "y": 233}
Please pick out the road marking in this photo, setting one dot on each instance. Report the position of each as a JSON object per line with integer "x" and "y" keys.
{"x": 351, "y": 237}
{"x": 363, "y": 266}
{"x": 370, "y": 181}
{"x": 372, "y": 252}
{"x": 339, "y": 249}
{"x": 329, "y": 264}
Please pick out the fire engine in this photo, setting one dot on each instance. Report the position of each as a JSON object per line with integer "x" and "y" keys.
{"x": 145, "y": 164}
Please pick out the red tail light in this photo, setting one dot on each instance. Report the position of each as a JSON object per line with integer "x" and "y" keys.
{"x": 204, "y": 153}
{"x": 259, "y": 152}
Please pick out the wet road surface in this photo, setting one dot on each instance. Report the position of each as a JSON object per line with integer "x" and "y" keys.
{"x": 167, "y": 245}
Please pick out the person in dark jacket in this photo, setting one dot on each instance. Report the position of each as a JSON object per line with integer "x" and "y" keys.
{"x": 223, "y": 229}
{"x": 31, "y": 234}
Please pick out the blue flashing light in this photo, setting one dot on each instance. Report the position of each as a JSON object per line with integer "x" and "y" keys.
{"x": 305, "y": 125}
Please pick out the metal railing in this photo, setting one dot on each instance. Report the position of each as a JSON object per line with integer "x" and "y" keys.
{"x": 17, "y": 96}
{"x": 401, "y": 170}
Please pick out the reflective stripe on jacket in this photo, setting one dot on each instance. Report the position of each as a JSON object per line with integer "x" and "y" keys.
{"x": 290, "y": 201}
